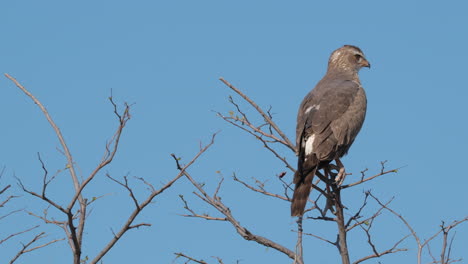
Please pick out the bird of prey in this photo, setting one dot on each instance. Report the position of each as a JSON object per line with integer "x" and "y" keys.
{"x": 328, "y": 121}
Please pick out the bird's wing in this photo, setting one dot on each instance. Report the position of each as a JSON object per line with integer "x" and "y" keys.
{"x": 325, "y": 104}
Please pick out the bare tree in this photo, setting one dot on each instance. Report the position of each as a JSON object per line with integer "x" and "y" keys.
{"x": 75, "y": 211}
{"x": 446, "y": 248}
{"x": 327, "y": 205}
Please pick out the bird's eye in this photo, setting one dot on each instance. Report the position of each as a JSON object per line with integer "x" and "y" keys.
{"x": 358, "y": 57}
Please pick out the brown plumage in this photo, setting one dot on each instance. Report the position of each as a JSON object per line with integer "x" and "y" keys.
{"x": 329, "y": 119}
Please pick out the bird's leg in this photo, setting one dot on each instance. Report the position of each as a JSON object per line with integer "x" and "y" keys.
{"x": 324, "y": 178}
{"x": 341, "y": 173}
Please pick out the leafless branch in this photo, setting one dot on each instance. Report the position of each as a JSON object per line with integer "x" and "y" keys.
{"x": 5, "y": 188}
{"x": 331, "y": 191}
{"x": 76, "y": 234}
{"x": 25, "y": 247}
{"x": 420, "y": 244}
{"x": 363, "y": 180}
{"x": 447, "y": 246}
{"x": 241, "y": 230}
{"x": 299, "y": 255}
{"x": 140, "y": 206}
{"x": 18, "y": 233}
{"x": 391, "y": 250}
{"x": 194, "y": 214}
{"x": 126, "y": 186}
{"x": 110, "y": 149}
{"x": 366, "y": 220}
{"x": 220, "y": 261}
{"x": 358, "y": 213}
{"x": 8, "y": 199}
{"x": 42, "y": 197}
{"x": 180, "y": 254}
{"x": 150, "y": 186}
{"x": 70, "y": 164}
{"x": 285, "y": 140}
{"x": 260, "y": 189}
{"x": 257, "y": 133}
{"x": 321, "y": 238}
{"x": 10, "y": 213}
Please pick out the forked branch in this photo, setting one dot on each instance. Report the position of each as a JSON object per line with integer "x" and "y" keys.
{"x": 215, "y": 201}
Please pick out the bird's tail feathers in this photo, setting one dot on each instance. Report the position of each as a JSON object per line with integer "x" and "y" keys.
{"x": 301, "y": 192}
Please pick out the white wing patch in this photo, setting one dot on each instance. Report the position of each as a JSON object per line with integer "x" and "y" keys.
{"x": 309, "y": 145}
{"x": 316, "y": 107}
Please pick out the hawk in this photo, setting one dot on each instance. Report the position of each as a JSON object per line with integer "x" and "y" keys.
{"x": 328, "y": 121}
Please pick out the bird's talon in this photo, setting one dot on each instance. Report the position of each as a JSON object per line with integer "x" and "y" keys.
{"x": 340, "y": 177}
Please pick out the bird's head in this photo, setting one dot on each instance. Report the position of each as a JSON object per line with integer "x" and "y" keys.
{"x": 348, "y": 58}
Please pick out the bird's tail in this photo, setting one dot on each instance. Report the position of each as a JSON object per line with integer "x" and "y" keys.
{"x": 301, "y": 192}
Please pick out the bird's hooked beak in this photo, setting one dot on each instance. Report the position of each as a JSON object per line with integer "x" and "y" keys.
{"x": 364, "y": 63}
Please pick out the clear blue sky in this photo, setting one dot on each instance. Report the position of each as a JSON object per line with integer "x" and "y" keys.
{"x": 167, "y": 56}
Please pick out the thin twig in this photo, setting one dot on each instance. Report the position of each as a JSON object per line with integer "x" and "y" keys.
{"x": 25, "y": 248}
{"x": 391, "y": 250}
{"x": 18, "y": 233}
{"x": 262, "y": 191}
{"x": 363, "y": 180}
{"x": 194, "y": 214}
{"x": 76, "y": 234}
{"x": 180, "y": 254}
{"x": 265, "y": 116}
{"x": 241, "y": 230}
{"x": 128, "y": 224}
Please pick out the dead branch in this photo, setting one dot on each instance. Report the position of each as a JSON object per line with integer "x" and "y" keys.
{"x": 363, "y": 180}
{"x": 25, "y": 247}
{"x": 421, "y": 245}
{"x": 180, "y": 254}
{"x": 70, "y": 164}
{"x": 110, "y": 148}
{"x": 366, "y": 220}
{"x": 220, "y": 261}
{"x": 126, "y": 186}
{"x": 4, "y": 189}
{"x": 299, "y": 255}
{"x": 140, "y": 206}
{"x": 321, "y": 238}
{"x": 265, "y": 116}
{"x": 76, "y": 232}
{"x": 331, "y": 191}
{"x": 391, "y": 250}
{"x": 260, "y": 189}
{"x": 42, "y": 197}
{"x": 10, "y": 213}
{"x": 258, "y": 134}
{"x": 194, "y": 214}
{"x": 7, "y": 200}
{"x": 216, "y": 202}
{"x": 18, "y": 233}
